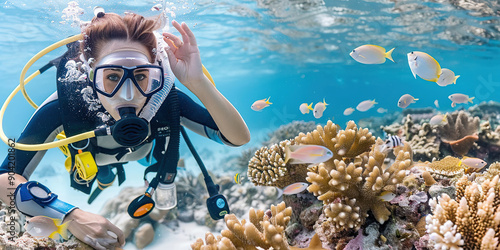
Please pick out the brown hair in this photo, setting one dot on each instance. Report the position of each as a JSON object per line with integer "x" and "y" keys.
{"x": 131, "y": 27}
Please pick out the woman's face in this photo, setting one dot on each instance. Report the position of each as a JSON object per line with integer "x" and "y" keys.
{"x": 124, "y": 53}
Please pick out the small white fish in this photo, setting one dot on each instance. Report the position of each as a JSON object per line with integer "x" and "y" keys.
{"x": 348, "y": 111}
{"x": 386, "y": 196}
{"x": 438, "y": 119}
{"x": 366, "y": 105}
{"x": 472, "y": 162}
{"x": 294, "y": 188}
{"x": 371, "y": 54}
{"x": 391, "y": 142}
{"x": 298, "y": 154}
{"x": 304, "y": 108}
{"x": 405, "y": 100}
{"x": 42, "y": 226}
{"x": 424, "y": 65}
{"x": 319, "y": 108}
{"x": 436, "y": 103}
{"x": 447, "y": 77}
{"x": 459, "y": 98}
{"x": 260, "y": 104}
{"x": 381, "y": 110}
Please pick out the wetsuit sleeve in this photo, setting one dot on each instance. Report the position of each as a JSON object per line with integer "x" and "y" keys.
{"x": 43, "y": 127}
{"x": 197, "y": 119}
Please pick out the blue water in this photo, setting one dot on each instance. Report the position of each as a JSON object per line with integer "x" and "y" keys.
{"x": 293, "y": 51}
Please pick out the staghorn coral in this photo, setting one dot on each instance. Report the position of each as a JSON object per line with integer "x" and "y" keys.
{"x": 350, "y": 190}
{"x": 264, "y": 230}
{"x": 267, "y": 167}
{"x": 467, "y": 221}
{"x": 289, "y": 131}
{"x": 460, "y": 131}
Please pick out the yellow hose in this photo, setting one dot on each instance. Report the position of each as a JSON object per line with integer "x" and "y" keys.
{"x": 50, "y": 48}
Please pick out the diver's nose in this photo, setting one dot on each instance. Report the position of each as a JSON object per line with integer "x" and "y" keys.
{"x": 127, "y": 90}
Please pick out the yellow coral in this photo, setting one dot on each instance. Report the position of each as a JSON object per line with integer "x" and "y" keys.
{"x": 261, "y": 231}
{"x": 348, "y": 191}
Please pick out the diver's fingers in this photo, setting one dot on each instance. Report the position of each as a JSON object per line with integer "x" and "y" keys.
{"x": 171, "y": 59}
{"x": 181, "y": 30}
{"x": 93, "y": 243}
{"x": 169, "y": 36}
{"x": 189, "y": 33}
{"x": 112, "y": 229}
{"x": 170, "y": 44}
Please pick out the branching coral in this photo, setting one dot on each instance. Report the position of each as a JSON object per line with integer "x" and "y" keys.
{"x": 267, "y": 167}
{"x": 350, "y": 190}
{"x": 468, "y": 220}
{"x": 460, "y": 131}
{"x": 264, "y": 230}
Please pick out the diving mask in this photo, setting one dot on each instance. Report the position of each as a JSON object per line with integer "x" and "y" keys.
{"x": 127, "y": 67}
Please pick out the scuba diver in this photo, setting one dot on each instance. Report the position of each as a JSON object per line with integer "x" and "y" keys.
{"x": 118, "y": 82}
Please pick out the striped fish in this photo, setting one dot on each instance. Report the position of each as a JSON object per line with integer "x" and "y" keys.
{"x": 391, "y": 142}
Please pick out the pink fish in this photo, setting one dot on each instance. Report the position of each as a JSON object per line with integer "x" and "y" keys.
{"x": 298, "y": 154}
{"x": 260, "y": 104}
{"x": 294, "y": 188}
{"x": 42, "y": 226}
{"x": 473, "y": 162}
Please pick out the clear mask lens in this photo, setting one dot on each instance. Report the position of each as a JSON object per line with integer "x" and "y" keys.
{"x": 148, "y": 78}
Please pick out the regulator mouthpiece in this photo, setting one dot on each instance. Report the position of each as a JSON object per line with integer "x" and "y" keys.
{"x": 130, "y": 130}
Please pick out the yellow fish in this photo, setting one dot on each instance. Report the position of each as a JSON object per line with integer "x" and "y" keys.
{"x": 304, "y": 108}
{"x": 447, "y": 77}
{"x": 371, "y": 54}
{"x": 424, "y": 65}
{"x": 319, "y": 108}
{"x": 260, "y": 104}
{"x": 386, "y": 196}
{"x": 238, "y": 179}
{"x": 43, "y": 226}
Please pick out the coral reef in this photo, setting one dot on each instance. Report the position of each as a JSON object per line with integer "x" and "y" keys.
{"x": 468, "y": 220}
{"x": 423, "y": 138}
{"x": 289, "y": 131}
{"x": 488, "y": 145}
{"x": 267, "y": 167}
{"x": 350, "y": 189}
{"x": 460, "y": 132}
{"x": 264, "y": 230}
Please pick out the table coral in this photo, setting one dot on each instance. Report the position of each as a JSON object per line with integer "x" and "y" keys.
{"x": 468, "y": 220}
{"x": 447, "y": 168}
{"x": 350, "y": 190}
{"x": 264, "y": 230}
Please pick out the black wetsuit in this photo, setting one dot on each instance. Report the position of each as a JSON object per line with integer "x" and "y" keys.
{"x": 46, "y": 123}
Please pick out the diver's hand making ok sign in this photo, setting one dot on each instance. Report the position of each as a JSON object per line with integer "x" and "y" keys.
{"x": 184, "y": 56}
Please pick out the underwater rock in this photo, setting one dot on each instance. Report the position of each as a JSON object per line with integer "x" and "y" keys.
{"x": 144, "y": 235}
{"x": 435, "y": 191}
{"x": 310, "y": 215}
{"x": 372, "y": 239}
{"x": 200, "y": 216}
{"x": 289, "y": 131}
{"x": 125, "y": 223}
{"x": 185, "y": 215}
